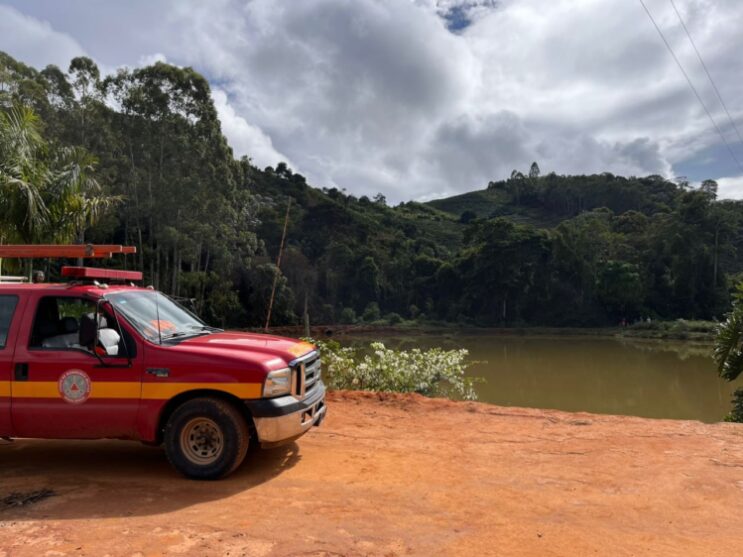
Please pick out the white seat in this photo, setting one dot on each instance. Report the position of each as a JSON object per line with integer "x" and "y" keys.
{"x": 110, "y": 341}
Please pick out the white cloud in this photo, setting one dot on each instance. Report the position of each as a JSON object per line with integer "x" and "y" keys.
{"x": 244, "y": 138}
{"x": 378, "y": 95}
{"x": 34, "y": 41}
{"x": 730, "y": 188}
{"x": 149, "y": 59}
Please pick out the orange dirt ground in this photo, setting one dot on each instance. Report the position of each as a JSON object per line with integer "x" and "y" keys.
{"x": 396, "y": 475}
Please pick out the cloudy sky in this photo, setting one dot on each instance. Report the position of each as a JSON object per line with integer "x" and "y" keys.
{"x": 426, "y": 98}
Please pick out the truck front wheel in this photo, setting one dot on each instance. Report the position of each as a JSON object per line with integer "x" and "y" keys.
{"x": 206, "y": 438}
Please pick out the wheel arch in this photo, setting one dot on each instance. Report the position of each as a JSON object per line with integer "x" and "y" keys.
{"x": 184, "y": 397}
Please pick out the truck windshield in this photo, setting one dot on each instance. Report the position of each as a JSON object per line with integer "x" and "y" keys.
{"x": 156, "y": 316}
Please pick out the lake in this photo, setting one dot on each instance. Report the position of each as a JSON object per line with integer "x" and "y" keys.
{"x": 655, "y": 379}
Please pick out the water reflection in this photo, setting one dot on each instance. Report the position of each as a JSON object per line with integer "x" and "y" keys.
{"x": 615, "y": 376}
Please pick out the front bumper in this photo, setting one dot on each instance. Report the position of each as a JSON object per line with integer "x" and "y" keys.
{"x": 283, "y": 419}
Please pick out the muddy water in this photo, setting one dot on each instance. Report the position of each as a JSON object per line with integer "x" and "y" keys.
{"x": 656, "y": 379}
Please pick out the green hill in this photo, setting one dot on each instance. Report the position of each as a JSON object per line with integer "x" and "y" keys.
{"x": 530, "y": 250}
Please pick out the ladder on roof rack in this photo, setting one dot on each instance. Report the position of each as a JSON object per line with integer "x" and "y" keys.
{"x": 12, "y": 279}
{"x": 69, "y": 251}
{"x": 87, "y": 251}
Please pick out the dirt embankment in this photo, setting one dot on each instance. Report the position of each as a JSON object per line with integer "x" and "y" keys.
{"x": 394, "y": 475}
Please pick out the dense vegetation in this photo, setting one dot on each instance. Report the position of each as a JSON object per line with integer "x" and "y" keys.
{"x": 139, "y": 158}
{"x": 433, "y": 372}
{"x": 728, "y": 351}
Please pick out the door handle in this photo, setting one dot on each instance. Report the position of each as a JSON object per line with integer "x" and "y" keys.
{"x": 21, "y": 372}
{"x": 158, "y": 371}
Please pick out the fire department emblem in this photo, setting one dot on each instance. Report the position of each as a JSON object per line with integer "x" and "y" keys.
{"x": 74, "y": 386}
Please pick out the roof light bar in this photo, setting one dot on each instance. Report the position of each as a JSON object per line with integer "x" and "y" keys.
{"x": 107, "y": 274}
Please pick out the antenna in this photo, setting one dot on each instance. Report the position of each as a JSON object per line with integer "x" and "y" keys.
{"x": 278, "y": 266}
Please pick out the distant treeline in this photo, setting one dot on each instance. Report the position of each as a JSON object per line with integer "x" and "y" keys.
{"x": 139, "y": 158}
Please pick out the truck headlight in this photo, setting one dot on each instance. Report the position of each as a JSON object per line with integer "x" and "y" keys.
{"x": 278, "y": 382}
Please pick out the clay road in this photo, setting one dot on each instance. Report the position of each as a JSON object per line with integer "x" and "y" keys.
{"x": 394, "y": 475}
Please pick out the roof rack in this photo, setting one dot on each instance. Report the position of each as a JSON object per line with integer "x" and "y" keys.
{"x": 87, "y": 251}
{"x": 12, "y": 279}
{"x": 76, "y": 251}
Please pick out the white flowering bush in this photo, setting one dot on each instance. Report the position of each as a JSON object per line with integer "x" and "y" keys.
{"x": 434, "y": 372}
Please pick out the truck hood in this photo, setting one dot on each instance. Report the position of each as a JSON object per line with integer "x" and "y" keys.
{"x": 271, "y": 351}
{"x": 287, "y": 349}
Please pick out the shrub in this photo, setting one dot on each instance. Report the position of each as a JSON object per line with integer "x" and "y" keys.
{"x": 393, "y": 318}
{"x": 736, "y": 414}
{"x": 371, "y": 313}
{"x": 728, "y": 352}
{"x": 327, "y": 314}
{"x": 348, "y": 316}
{"x": 434, "y": 372}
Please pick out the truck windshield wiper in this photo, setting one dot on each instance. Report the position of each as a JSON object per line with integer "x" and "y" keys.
{"x": 178, "y": 334}
{"x": 207, "y": 328}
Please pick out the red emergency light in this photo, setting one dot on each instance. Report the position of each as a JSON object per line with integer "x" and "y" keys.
{"x": 105, "y": 274}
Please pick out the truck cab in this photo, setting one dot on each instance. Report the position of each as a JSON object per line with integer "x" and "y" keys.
{"x": 93, "y": 360}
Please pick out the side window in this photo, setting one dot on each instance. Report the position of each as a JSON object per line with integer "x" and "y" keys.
{"x": 7, "y": 307}
{"x": 59, "y": 321}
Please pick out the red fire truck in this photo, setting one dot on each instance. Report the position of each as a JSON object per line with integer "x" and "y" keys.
{"x": 98, "y": 357}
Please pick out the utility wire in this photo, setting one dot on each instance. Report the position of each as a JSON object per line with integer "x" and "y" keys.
{"x": 691, "y": 85}
{"x": 706, "y": 70}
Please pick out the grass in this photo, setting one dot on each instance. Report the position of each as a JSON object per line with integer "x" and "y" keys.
{"x": 681, "y": 329}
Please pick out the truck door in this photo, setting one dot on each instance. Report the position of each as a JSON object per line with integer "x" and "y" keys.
{"x": 65, "y": 383}
{"x": 9, "y": 318}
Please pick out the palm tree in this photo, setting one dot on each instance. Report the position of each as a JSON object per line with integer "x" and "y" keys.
{"x": 728, "y": 352}
{"x": 75, "y": 198}
{"x": 46, "y": 194}
{"x": 23, "y": 174}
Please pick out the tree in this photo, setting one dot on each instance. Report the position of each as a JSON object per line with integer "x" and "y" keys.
{"x": 728, "y": 351}
{"x": 85, "y": 81}
{"x": 516, "y": 175}
{"x": 534, "y": 170}
{"x": 380, "y": 199}
{"x": 620, "y": 289}
{"x": 710, "y": 188}
{"x": 501, "y": 269}
{"x": 23, "y": 174}
{"x": 467, "y": 217}
{"x": 75, "y": 199}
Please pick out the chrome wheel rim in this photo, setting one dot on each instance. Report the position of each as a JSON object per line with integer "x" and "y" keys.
{"x": 202, "y": 441}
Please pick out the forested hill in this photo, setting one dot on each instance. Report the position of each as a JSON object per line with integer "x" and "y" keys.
{"x": 545, "y": 201}
{"x": 139, "y": 158}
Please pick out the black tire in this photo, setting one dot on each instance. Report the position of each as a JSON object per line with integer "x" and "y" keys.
{"x": 206, "y": 438}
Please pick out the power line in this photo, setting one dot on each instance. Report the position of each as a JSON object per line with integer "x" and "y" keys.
{"x": 706, "y": 70}
{"x": 691, "y": 85}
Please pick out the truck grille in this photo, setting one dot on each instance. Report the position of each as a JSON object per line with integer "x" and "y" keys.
{"x": 311, "y": 374}
{"x": 306, "y": 375}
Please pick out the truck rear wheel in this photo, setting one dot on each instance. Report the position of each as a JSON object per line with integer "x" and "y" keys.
{"x": 206, "y": 438}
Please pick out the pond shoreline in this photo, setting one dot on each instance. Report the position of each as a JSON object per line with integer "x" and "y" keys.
{"x": 645, "y": 333}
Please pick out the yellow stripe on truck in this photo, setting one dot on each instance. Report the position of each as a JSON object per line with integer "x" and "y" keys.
{"x": 100, "y": 389}
{"x": 164, "y": 391}
{"x": 128, "y": 389}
